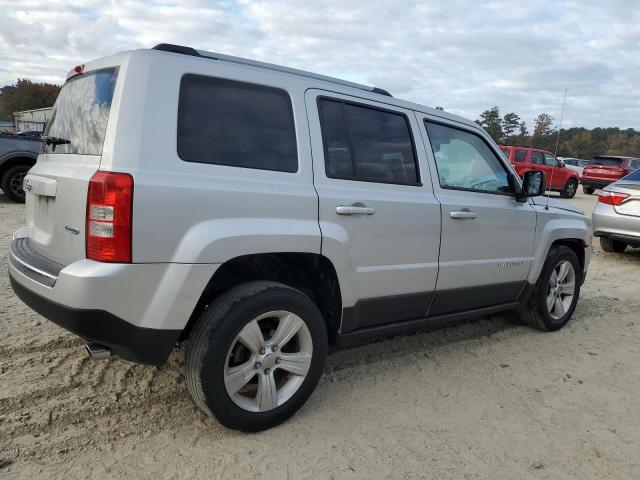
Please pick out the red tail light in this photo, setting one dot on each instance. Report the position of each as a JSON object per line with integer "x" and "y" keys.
{"x": 109, "y": 217}
{"x": 612, "y": 198}
{"x": 78, "y": 70}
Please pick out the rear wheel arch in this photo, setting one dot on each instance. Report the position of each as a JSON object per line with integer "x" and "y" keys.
{"x": 311, "y": 273}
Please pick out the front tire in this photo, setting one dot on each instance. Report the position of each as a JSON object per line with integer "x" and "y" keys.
{"x": 612, "y": 246}
{"x": 556, "y": 293}
{"x": 255, "y": 355}
{"x": 11, "y": 182}
{"x": 588, "y": 190}
{"x": 570, "y": 189}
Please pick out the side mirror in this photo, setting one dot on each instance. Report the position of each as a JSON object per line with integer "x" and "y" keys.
{"x": 561, "y": 164}
{"x": 534, "y": 183}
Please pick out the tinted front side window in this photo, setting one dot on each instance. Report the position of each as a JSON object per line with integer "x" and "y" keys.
{"x": 225, "y": 122}
{"x": 634, "y": 164}
{"x": 550, "y": 160}
{"x": 367, "y": 144}
{"x": 464, "y": 161}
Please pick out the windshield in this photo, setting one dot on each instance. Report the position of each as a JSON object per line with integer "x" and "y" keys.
{"x": 81, "y": 112}
{"x": 606, "y": 161}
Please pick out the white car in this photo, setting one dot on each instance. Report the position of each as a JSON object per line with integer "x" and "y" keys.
{"x": 575, "y": 164}
{"x": 263, "y": 215}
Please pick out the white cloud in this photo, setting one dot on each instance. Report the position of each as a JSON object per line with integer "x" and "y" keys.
{"x": 465, "y": 55}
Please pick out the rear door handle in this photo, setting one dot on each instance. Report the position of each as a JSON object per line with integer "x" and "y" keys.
{"x": 355, "y": 209}
{"x": 462, "y": 214}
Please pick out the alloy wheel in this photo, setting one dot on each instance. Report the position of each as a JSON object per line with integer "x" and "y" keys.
{"x": 561, "y": 289}
{"x": 268, "y": 361}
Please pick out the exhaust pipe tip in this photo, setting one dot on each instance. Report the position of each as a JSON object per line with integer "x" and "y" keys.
{"x": 97, "y": 351}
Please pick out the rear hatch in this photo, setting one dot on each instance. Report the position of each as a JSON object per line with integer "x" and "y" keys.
{"x": 605, "y": 168}
{"x": 56, "y": 187}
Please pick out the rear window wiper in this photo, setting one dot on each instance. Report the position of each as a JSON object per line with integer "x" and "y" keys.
{"x": 54, "y": 140}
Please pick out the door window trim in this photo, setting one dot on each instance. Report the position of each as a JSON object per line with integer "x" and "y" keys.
{"x": 507, "y": 169}
{"x": 321, "y": 97}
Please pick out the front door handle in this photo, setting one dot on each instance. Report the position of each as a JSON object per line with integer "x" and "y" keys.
{"x": 355, "y": 209}
{"x": 462, "y": 214}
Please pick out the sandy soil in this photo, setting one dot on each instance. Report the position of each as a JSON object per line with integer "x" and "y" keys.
{"x": 489, "y": 399}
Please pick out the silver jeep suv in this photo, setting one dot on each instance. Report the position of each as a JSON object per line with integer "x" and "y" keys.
{"x": 263, "y": 215}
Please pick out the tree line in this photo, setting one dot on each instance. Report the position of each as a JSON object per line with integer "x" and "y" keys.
{"x": 576, "y": 142}
{"x": 26, "y": 95}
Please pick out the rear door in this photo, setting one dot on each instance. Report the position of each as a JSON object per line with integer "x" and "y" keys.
{"x": 379, "y": 218}
{"x": 56, "y": 187}
{"x": 487, "y": 236}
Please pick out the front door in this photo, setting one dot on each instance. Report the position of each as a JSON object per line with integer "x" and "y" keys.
{"x": 487, "y": 236}
{"x": 379, "y": 219}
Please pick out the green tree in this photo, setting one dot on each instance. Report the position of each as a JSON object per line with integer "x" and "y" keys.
{"x": 510, "y": 124}
{"x": 26, "y": 95}
{"x": 543, "y": 132}
{"x": 490, "y": 120}
{"x": 579, "y": 145}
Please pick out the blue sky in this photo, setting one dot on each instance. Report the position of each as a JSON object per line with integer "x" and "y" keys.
{"x": 464, "y": 55}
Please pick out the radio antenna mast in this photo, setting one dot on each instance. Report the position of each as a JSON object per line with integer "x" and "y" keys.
{"x": 555, "y": 153}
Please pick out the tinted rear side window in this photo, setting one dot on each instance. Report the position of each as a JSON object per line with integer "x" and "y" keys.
{"x": 239, "y": 124}
{"x": 367, "y": 144}
{"x": 521, "y": 155}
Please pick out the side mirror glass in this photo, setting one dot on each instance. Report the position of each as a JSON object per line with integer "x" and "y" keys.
{"x": 561, "y": 164}
{"x": 534, "y": 183}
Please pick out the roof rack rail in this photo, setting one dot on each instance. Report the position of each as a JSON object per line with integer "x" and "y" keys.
{"x": 168, "y": 47}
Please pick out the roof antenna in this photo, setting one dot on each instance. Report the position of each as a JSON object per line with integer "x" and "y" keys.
{"x": 555, "y": 153}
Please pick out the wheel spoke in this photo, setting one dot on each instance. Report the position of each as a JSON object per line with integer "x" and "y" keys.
{"x": 251, "y": 337}
{"x": 238, "y": 376}
{"x": 559, "y": 308}
{"x": 550, "y": 299}
{"x": 287, "y": 328}
{"x": 296, "y": 363}
{"x": 567, "y": 288}
{"x": 267, "y": 396}
{"x": 553, "y": 280}
{"x": 562, "y": 271}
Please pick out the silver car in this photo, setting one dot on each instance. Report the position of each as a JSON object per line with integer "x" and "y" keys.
{"x": 616, "y": 218}
{"x": 263, "y": 215}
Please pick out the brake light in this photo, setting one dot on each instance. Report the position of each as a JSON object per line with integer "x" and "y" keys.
{"x": 77, "y": 70}
{"x": 109, "y": 217}
{"x": 612, "y": 198}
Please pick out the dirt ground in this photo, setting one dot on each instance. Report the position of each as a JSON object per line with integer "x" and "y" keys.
{"x": 488, "y": 399}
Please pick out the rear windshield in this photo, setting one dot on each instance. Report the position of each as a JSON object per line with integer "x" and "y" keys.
{"x": 81, "y": 112}
{"x": 606, "y": 162}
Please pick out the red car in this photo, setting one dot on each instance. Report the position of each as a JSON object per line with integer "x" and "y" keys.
{"x": 559, "y": 178}
{"x": 605, "y": 169}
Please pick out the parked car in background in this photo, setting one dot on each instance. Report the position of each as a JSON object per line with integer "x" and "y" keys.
{"x": 18, "y": 153}
{"x": 575, "y": 164}
{"x": 606, "y": 169}
{"x": 263, "y": 214}
{"x": 559, "y": 177}
{"x": 616, "y": 217}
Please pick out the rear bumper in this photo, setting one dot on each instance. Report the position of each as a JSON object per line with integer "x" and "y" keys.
{"x": 136, "y": 344}
{"x": 595, "y": 182}
{"x": 138, "y": 310}
{"x": 611, "y": 224}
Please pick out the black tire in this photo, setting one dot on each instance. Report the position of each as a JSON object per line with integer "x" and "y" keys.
{"x": 535, "y": 313}
{"x": 11, "y": 182}
{"x": 612, "y": 246}
{"x": 570, "y": 189}
{"x": 216, "y": 330}
{"x": 588, "y": 190}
